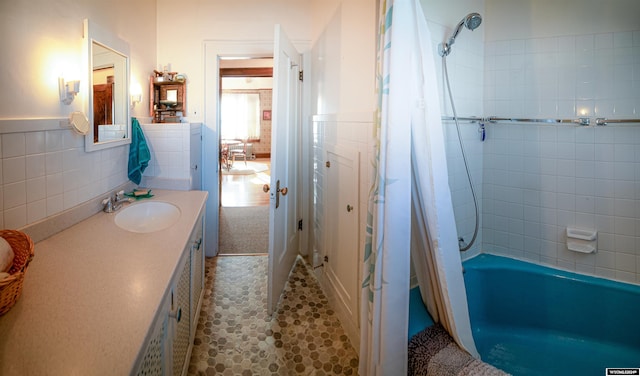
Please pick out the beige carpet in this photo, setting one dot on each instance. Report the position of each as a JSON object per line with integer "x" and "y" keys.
{"x": 244, "y": 230}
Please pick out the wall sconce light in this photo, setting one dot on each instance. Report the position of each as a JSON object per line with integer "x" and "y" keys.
{"x": 68, "y": 91}
{"x": 136, "y": 98}
{"x": 136, "y": 93}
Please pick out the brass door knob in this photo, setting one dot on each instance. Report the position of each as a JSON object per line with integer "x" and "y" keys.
{"x": 265, "y": 188}
{"x": 284, "y": 191}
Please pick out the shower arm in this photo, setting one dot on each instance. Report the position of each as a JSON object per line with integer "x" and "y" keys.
{"x": 444, "y": 48}
{"x": 455, "y": 33}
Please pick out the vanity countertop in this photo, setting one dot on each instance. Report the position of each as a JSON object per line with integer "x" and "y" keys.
{"x": 91, "y": 294}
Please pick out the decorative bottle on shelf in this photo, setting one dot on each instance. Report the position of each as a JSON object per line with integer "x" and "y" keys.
{"x": 165, "y": 74}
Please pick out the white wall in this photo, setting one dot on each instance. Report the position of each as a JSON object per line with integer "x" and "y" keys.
{"x": 563, "y": 60}
{"x": 44, "y": 40}
{"x": 343, "y": 59}
{"x": 180, "y": 38}
{"x": 44, "y": 167}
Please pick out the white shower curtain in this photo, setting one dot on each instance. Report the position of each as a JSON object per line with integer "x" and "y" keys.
{"x": 408, "y": 128}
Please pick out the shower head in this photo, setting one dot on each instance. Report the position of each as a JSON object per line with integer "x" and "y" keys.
{"x": 471, "y": 22}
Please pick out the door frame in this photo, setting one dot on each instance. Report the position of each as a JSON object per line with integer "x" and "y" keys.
{"x": 213, "y": 50}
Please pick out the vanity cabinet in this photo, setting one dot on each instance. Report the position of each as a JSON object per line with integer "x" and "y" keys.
{"x": 168, "y": 349}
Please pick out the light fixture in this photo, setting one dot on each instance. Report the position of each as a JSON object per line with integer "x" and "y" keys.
{"x": 136, "y": 93}
{"x": 136, "y": 98}
{"x": 68, "y": 91}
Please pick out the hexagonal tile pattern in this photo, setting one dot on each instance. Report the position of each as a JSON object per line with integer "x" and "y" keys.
{"x": 235, "y": 336}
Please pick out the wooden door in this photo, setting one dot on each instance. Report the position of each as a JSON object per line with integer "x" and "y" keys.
{"x": 102, "y": 107}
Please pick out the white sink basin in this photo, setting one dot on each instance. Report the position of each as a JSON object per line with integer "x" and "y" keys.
{"x": 148, "y": 216}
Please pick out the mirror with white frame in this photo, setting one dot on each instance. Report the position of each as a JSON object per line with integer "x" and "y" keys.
{"x": 108, "y": 93}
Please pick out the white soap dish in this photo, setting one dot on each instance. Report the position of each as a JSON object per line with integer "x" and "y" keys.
{"x": 582, "y": 240}
{"x": 582, "y": 248}
{"x": 578, "y": 233}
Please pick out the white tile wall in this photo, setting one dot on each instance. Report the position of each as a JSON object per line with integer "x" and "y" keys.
{"x": 461, "y": 195}
{"x": 539, "y": 179}
{"x": 170, "y": 151}
{"x": 111, "y": 132}
{"x": 465, "y": 66}
{"x": 46, "y": 172}
{"x": 595, "y": 75}
{"x": 591, "y": 182}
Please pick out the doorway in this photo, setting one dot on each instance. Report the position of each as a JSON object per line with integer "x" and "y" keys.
{"x": 245, "y": 154}
{"x": 283, "y": 222}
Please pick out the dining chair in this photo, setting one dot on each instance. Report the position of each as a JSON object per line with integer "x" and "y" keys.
{"x": 239, "y": 152}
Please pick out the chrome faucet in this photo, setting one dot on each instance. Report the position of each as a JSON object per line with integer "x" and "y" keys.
{"x": 111, "y": 204}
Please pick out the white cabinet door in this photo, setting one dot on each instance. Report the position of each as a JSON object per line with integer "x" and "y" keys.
{"x": 195, "y": 157}
{"x": 197, "y": 273}
{"x": 153, "y": 361}
{"x": 341, "y": 223}
{"x": 180, "y": 313}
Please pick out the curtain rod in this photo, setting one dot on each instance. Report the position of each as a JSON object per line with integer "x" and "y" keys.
{"x": 584, "y": 121}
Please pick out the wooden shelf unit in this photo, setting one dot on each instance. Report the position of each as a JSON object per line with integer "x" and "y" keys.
{"x": 158, "y": 89}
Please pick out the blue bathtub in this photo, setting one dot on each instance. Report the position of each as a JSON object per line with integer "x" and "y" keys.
{"x": 533, "y": 320}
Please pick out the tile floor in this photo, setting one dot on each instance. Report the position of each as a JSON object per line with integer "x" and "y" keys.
{"x": 235, "y": 336}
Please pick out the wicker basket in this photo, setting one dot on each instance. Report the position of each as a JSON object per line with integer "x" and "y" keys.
{"x": 11, "y": 287}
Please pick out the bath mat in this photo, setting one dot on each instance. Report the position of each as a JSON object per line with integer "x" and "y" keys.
{"x": 432, "y": 352}
{"x": 244, "y": 230}
{"x": 239, "y": 168}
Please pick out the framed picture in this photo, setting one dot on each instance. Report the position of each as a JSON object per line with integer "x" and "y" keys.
{"x": 266, "y": 115}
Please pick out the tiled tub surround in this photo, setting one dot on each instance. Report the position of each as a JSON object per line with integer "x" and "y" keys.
{"x": 591, "y": 75}
{"x": 91, "y": 294}
{"x": 539, "y": 179}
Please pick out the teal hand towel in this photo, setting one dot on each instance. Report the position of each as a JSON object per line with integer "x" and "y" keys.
{"x": 139, "y": 155}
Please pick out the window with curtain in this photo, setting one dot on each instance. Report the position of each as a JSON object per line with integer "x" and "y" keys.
{"x": 240, "y": 115}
